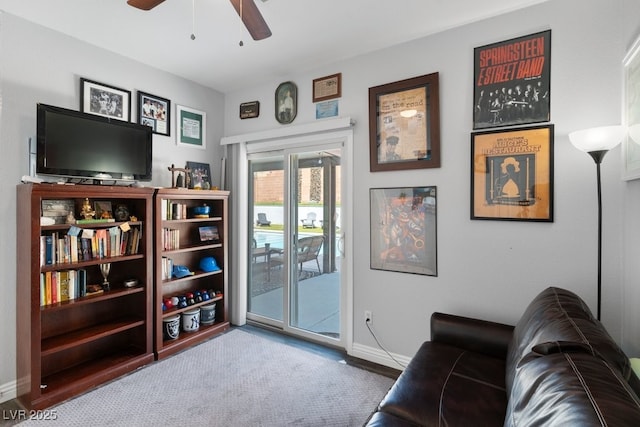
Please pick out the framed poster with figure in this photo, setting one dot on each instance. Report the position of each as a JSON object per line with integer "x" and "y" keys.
{"x": 403, "y": 230}
{"x": 404, "y": 124}
{"x": 512, "y": 174}
{"x": 512, "y": 82}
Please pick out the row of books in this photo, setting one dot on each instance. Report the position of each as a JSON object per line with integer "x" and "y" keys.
{"x": 59, "y": 286}
{"x": 81, "y": 244}
{"x": 171, "y": 210}
{"x": 170, "y": 239}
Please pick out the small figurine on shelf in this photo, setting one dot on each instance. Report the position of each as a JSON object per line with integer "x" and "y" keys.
{"x": 71, "y": 219}
{"x": 181, "y": 182}
{"x": 87, "y": 211}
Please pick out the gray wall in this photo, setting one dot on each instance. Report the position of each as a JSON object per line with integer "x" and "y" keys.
{"x": 39, "y": 65}
{"x": 492, "y": 269}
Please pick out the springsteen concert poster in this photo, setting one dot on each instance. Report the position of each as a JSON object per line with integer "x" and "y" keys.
{"x": 512, "y": 174}
{"x": 512, "y": 82}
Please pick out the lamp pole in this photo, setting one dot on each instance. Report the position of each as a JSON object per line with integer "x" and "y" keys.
{"x": 597, "y": 157}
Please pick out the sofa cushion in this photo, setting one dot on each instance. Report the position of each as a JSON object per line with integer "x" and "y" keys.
{"x": 446, "y": 385}
{"x": 559, "y": 315}
{"x": 570, "y": 389}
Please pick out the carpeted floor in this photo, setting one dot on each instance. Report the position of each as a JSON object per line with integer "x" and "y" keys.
{"x": 236, "y": 379}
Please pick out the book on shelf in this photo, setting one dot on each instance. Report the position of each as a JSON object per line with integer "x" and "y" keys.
{"x": 94, "y": 290}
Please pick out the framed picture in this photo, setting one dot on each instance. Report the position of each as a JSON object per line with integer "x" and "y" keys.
{"x": 58, "y": 209}
{"x": 209, "y": 233}
{"x": 511, "y": 83}
{"x": 249, "y": 110}
{"x": 403, "y": 229}
{"x": 631, "y": 112}
{"x": 328, "y": 87}
{"x": 404, "y": 124}
{"x": 103, "y": 209}
{"x": 512, "y": 174}
{"x": 154, "y": 111}
{"x": 104, "y": 100}
{"x": 191, "y": 126}
{"x": 199, "y": 177}
{"x": 286, "y": 102}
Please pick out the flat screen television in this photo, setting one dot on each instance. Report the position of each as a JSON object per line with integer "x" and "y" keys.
{"x": 81, "y": 145}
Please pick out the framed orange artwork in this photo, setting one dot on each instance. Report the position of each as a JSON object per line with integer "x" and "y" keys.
{"x": 512, "y": 174}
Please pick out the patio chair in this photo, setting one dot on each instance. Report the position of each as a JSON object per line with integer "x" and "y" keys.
{"x": 309, "y": 221}
{"x": 262, "y": 219}
{"x": 308, "y": 250}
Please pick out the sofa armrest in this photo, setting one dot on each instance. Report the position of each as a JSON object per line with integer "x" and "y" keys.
{"x": 475, "y": 335}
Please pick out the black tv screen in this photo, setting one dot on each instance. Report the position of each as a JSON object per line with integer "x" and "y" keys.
{"x": 81, "y": 145}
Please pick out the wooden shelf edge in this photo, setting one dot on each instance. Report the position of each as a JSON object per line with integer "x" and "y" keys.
{"x": 73, "y": 381}
{"x": 114, "y": 293}
{"x": 77, "y": 338}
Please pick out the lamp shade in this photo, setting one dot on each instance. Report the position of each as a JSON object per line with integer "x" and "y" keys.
{"x": 602, "y": 138}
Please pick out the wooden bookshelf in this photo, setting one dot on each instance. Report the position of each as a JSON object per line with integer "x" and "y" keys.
{"x": 188, "y": 250}
{"x": 70, "y": 346}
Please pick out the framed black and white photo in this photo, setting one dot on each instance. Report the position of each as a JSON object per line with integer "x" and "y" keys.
{"x": 286, "y": 102}
{"x": 191, "y": 127}
{"x": 209, "y": 233}
{"x": 104, "y": 100}
{"x": 155, "y": 112}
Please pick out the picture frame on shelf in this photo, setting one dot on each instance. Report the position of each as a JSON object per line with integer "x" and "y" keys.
{"x": 631, "y": 113}
{"x": 512, "y": 174}
{"x": 154, "y": 111}
{"x": 328, "y": 87}
{"x": 512, "y": 82}
{"x": 105, "y": 100}
{"x": 403, "y": 229}
{"x": 191, "y": 127}
{"x": 199, "y": 176}
{"x": 404, "y": 124}
{"x": 103, "y": 209}
{"x": 209, "y": 233}
{"x": 286, "y": 100}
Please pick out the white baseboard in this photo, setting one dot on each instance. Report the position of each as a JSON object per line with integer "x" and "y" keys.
{"x": 8, "y": 391}
{"x": 376, "y": 355}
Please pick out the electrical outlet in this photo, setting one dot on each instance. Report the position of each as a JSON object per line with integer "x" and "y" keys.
{"x": 368, "y": 316}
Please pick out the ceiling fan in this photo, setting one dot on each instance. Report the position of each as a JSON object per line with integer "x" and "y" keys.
{"x": 247, "y": 9}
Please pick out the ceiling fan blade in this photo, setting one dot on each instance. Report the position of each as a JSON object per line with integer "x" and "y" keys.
{"x": 252, "y": 19}
{"x": 144, "y": 4}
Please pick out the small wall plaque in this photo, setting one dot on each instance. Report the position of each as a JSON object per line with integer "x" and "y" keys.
{"x": 249, "y": 110}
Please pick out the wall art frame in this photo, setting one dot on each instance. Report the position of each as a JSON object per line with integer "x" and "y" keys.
{"x": 404, "y": 229}
{"x": 154, "y": 111}
{"x": 191, "y": 127}
{"x": 199, "y": 177}
{"x": 631, "y": 113}
{"x": 328, "y": 87}
{"x": 404, "y": 124}
{"x": 286, "y": 99}
{"x": 249, "y": 110}
{"x": 512, "y": 82}
{"x": 512, "y": 174}
{"x": 105, "y": 100}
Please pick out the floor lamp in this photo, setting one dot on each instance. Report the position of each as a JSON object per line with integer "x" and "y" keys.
{"x": 597, "y": 142}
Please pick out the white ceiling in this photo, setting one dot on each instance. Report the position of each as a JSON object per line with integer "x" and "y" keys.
{"x": 306, "y": 34}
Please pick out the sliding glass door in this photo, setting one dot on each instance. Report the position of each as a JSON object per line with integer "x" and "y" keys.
{"x": 295, "y": 249}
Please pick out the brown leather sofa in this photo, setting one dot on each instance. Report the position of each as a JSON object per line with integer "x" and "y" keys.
{"x": 557, "y": 367}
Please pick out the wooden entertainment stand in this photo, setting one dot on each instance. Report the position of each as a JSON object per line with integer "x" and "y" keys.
{"x": 72, "y": 345}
